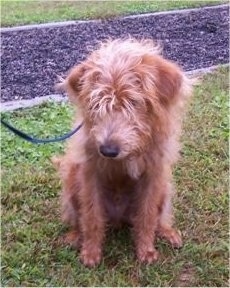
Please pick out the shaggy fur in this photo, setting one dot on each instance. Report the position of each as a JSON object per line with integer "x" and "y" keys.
{"x": 118, "y": 168}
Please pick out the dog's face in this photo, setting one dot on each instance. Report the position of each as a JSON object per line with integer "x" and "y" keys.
{"x": 124, "y": 91}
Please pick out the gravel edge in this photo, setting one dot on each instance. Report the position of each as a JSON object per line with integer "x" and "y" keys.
{"x": 22, "y": 104}
{"x": 73, "y": 22}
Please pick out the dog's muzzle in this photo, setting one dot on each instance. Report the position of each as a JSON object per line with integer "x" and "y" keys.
{"x": 109, "y": 150}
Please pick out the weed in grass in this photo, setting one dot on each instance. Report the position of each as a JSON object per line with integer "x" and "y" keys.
{"x": 31, "y": 251}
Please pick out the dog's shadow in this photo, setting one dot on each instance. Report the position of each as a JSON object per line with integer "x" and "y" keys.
{"x": 118, "y": 245}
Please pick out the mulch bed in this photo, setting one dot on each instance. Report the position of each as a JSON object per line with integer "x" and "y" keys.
{"x": 32, "y": 59}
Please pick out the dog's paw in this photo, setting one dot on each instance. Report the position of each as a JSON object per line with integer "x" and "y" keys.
{"x": 90, "y": 256}
{"x": 148, "y": 256}
{"x": 173, "y": 236}
{"x": 72, "y": 239}
{"x": 175, "y": 239}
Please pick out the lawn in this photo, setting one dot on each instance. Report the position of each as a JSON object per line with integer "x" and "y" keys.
{"x": 27, "y": 12}
{"x": 32, "y": 254}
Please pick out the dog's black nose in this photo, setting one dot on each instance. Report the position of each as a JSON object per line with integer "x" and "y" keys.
{"x": 109, "y": 150}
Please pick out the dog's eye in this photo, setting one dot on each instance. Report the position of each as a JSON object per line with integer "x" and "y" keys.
{"x": 134, "y": 103}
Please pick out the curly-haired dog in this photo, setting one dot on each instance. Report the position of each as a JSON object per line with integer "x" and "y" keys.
{"x": 118, "y": 168}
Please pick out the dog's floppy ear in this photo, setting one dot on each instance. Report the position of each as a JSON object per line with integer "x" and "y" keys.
{"x": 165, "y": 81}
{"x": 73, "y": 82}
{"x": 169, "y": 82}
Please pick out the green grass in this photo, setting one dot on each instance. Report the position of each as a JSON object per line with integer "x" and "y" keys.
{"x": 31, "y": 229}
{"x": 27, "y": 12}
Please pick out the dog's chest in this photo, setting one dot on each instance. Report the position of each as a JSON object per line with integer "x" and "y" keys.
{"x": 118, "y": 194}
{"x": 116, "y": 206}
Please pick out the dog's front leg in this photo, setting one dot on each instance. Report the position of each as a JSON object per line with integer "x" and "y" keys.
{"x": 92, "y": 223}
{"x": 146, "y": 219}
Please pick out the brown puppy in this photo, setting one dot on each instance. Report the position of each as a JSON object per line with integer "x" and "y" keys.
{"x": 118, "y": 168}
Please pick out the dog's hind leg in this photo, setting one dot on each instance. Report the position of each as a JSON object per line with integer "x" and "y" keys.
{"x": 68, "y": 171}
{"x": 69, "y": 207}
{"x": 165, "y": 229}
